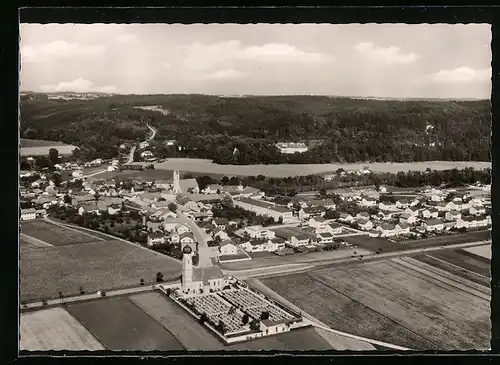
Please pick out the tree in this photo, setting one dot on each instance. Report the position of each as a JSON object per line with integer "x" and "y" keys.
{"x": 221, "y": 326}
{"x": 159, "y": 277}
{"x": 54, "y": 155}
{"x": 245, "y": 318}
{"x": 203, "y": 318}
{"x": 142, "y": 281}
{"x": 57, "y": 179}
{"x": 172, "y": 207}
{"x": 254, "y": 325}
{"x": 67, "y": 199}
{"x": 82, "y": 290}
{"x": 264, "y": 315}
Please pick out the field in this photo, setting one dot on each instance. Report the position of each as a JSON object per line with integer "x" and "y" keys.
{"x": 43, "y": 151}
{"x": 54, "y": 234}
{"x": 54, "y": 329}
{"x": 465, "y": 260}
{"x": 133, "y": 174}
{"x": 483, "y": 251}
{"x": 404, "y": 302}
{"x": 101, "y": 265}
{"x": 240, "y": 256}
{"x": 305, "y": 258}
{"x": 190, "y": 333}
{"x": 257, "y": 255}
{"x": 40, "y": 143}
{"x": 121, "y": 325}
{"x": 208, "y": 167}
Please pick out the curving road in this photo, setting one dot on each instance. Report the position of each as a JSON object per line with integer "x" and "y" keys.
{"x": 202, "y": 238}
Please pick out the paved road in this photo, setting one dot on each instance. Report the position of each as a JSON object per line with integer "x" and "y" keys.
{"x": 202, "y": 238}
{"x": 295, "y": 268}
{"x": 131, "y": 155}
{"x": 153, "y": 133}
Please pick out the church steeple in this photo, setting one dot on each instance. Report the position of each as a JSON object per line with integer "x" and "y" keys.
{"x": 177, "y": 186}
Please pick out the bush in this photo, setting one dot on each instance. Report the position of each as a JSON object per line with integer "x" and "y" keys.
{"x": 103, "y": 294}
{"x": 45, "y": 302}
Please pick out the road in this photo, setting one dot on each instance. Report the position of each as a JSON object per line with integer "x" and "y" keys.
{"x": 153, "y": 133}
{"x": 297, "y": 267}
{"x": 205, "y": 252}
{"x": 131, "y": 155}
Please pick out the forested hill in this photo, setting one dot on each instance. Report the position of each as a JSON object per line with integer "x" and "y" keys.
{"x": 337, "y": 129}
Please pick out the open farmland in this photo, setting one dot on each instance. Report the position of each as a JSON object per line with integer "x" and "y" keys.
{"x": 40, "y": 143}
{"x": 65, "y": 150}
{"x": 465, "y": 260}
{"x": 191, "y": 334}
{"x": 407, "y": 304}
{"x": 284, "y": 170}
{"x": 121, "y": 325}
{"x": 54, "y": 329}
{"x": 483, "y": 251}
{"x": 54, "y": 234}
{"x": 101, "y": 265}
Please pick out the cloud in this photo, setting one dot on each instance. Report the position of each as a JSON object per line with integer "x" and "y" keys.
{"x": 457, "y": 75}
{"x": 388, "y": 55}
{"x": 167, "y": 65}
{"x": 59, "y": 49}
{"x": 225, "y": 75}
{"x": 202, "y": 56}
{"x": 78, "y": 85}
{"x": 126, "y": 38}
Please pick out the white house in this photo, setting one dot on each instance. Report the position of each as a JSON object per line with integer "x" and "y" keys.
{"x": 345, "y": 217}
{"x": 319, "y": 223}
{"x": 186, "y": 238}
{"x": 260, "y": 232}
{"x": 452, "y": 215}
{"x": 433, "y": 225}
{"x": 402, "y": 203}
{"x": 143, "y": 145}
{"x": 386, "y": 214}
{"x": 309, "y": 212}
{"x": 362, "y": 216}
{"x": 182, "y": 229}
{"x": 408, "y": 218}
{"x": 114, "y": 209}
{"x": 228, "y": 247}
{"x": 412, "y": 211}
{"x": 334, "y": 228}
{"x": 28, "y": 214}
{"x": 156, "y": 238}
{"x": 365, "y": 224}
{"x": 477, "y": 210}
{"x": 368, "y": 202}
{"x": 147, "y": 154}
{"x": 219, "y": 232}
{"x": 324, "y": 237}
{"x": 220, "y": 222}
{"x": 430, "y": 213}
{"x": 402, "y": 228}
{"x": 387, "y": 206}
{"x": 387, "y": 230}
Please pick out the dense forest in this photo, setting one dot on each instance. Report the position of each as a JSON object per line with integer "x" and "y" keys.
{"x": 244, "y": 130}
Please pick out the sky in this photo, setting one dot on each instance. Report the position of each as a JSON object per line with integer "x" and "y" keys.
{"x": 363, "y": 60}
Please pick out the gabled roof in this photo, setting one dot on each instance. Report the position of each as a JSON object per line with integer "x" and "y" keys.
{"x": 207, "y": 273}
{"x": 28, "y": 211}
{"x": 187, "y": 184}
{"x": 335, "y": 225}
{"x": 388, "y": 227}
{"x": 433, "y": 222}
{"x": 221, "y": 220}
{"x": 280, "y": 209}
{"x": 187, "y": 234}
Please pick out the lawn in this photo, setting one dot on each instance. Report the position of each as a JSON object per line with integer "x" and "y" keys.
{"x": 189, "y": 332}
{"x": 121, "y": 325}
{"x": 134, "y": 174}
{"x": 54, "y": 234}
{"x": 44, "y": 150}
{"x": 391, "y": 302}
{"x": 54, "y": 329}
{"x": 229, "y": 258}
{"x": 465, "y": 260}
{"x": 102, "y": 265}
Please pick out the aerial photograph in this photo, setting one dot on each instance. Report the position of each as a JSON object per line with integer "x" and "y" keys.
{"x": 254, "y": 187}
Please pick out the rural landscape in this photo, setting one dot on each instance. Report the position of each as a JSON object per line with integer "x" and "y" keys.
{"x": 200, "y": 210}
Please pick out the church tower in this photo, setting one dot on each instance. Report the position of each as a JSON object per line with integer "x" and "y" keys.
{"x": 187, "y": 267}
{"x": 177, "y": 185}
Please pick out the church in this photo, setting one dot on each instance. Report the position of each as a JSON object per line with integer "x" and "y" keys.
{"x": 197, "y": 280}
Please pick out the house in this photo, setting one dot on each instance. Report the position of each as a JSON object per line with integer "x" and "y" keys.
{"x": 275, "y": 244}
{"x": 254, "y": 245}
{"x": 345, "y": 217}
{"x": 408, "y": 218}
{"x": 265, "y": 209}
{"x": 430, "y": 213}
{"x": 452, "y": 215}
{"x": 182, "y": 228}
{"x": 367, "y": 202}
{"x": 143, "y": 145}
{"x": 324, "y": 238}
{"x": 412, "y": 211}
{"x": 219, "y": 232}
{"x": 477, "y": 210}
{"x": 260, "y": 232}
{"x": 433, "y": 225}
{"x": 437, "y": 197}
{"x": 319, "y": 223}
{"x": 156, "y": 238}
{"x": 365, "y": 224}
{"x": 41, "y": 213}
{"x": 249, "y": 191}
{"x": 476, "y": 222}
{"x": 402, "y": 228}
{"x": 170, "y": 224}
{"x": 402, "y": 203}
{"x": 362, "y": 216}
{"x": 114, "y": 209}
{"x": 89, "y": 207}
{"x": 28, "y": 214}
{"x": 374, "y": 233}
{"x": 325, "y": 203}
{"x": 295, "y": 239}
{"x": 78, "y": 199}
{"x": 213, "y": 189}
{"x": 308, "y": 212}
{"x": 476, "y": 202}
{"x": 228, "y": 247}
{"x": 387, "y": 206}
{"x": 160, "y": 204}
{"x": 453, "y": 206}
{"x": 387, "y": 230}
{"x": 386, "y": 214}
{"x": 334, "y": 228}
{"x": 220, "y": 222}
{"x": 174, "y": 237}
{"x": 186, "y": 238}
{"x": 147, "y": 154}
